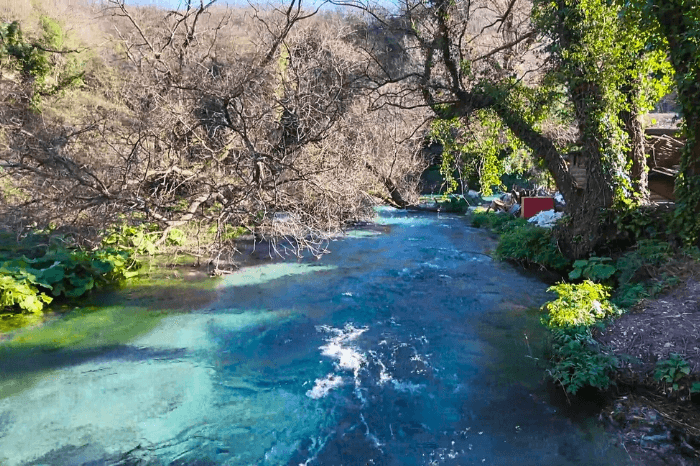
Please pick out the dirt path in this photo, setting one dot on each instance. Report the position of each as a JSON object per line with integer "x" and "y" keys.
{"x": 655, "y": 423}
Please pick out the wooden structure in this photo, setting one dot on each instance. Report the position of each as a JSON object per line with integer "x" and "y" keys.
{"x": 663, "y": 147}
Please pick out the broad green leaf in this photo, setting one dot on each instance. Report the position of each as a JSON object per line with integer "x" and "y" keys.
{"x": 52, "y": 275}
{"x": 602, "y": 271}
{"x": 101, "y": 266}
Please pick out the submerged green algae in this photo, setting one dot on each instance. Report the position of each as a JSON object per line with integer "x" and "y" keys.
{"x": 34, "y": 346}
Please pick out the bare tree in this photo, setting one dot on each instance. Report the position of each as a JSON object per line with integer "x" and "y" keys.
{"x": 253, "y": 121}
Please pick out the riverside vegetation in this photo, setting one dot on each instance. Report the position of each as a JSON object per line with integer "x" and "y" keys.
{"x": 598, "y": 288}
{"x": 590, "y": 295}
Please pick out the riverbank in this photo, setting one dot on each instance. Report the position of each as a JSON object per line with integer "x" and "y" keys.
{"x": 653, "y": 404}
{"x": 659, "y": 423}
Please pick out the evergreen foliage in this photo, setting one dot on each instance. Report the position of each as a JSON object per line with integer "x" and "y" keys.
{"x": 36, "y": 59}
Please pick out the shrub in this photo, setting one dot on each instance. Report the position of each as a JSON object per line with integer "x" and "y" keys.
{"x": 578, "y": 305}
{"x": 526, "y": 243}
{"x": 48, "y": 73}
{"x": 176, "y": 237}
{"x": 647, "y": 270}
{"x": 595, "y": 269}
{"x": 498, "y": 222}
{"x": 27, "y": 58}
{"x": 25, "y": 283}
{"x": 139, "y": 239}
{"x": 647, "y": 253}
{"x": 630, "y": 294}
{"x": 672, "y": 370}
{"x": 20, "y": 293}
{"x": 578, "y": 361}
{"x": 454, "y": 204}
{"x": 638, "y": 222}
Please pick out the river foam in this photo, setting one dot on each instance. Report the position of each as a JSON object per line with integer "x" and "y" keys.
{"x": 347, "y": 358}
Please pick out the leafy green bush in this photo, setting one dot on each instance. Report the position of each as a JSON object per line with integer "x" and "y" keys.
{"x": 26, "y": 282}
{"x": 20, "y": 294}
{"x": 672, "y": 370}
{"x": 629, "y": 295}
{"x": 637, "y": 222}
{"x": 526, "y": 243}
{"x": 497, "y": 222}
{"x": 634, "y": 268}
{"x": 595, "y": 268}
{"x": 26, "y": 57}
{"x": 580, "y": 304}
{"x": 481, "y": 219}
{"x": 454, "y": 204}
{"x": 38, "y": 61}
{"x": 578, "y": 361}
{"x": 646, "y": 253}
{"x": 140, "y": 239}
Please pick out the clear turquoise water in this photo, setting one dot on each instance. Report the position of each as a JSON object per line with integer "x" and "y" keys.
{"x": 407, "y": 345}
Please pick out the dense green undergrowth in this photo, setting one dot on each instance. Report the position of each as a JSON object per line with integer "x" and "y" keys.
{"x": 522, "y": 242}
{"x": 598, "y": 288}
{"x": 40, "y": 268}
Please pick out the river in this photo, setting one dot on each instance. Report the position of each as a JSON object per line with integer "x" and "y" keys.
{"x": 406, "y": 345}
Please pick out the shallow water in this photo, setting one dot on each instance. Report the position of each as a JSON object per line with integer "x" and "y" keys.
{"x": 407, "y": 345}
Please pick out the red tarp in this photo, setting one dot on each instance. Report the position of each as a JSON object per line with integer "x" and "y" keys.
{"x": 532, "y": 206}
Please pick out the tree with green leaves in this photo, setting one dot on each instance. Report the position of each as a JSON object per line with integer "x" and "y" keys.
{"x": 602, "y": 55}
{"x": 597, "y": 67}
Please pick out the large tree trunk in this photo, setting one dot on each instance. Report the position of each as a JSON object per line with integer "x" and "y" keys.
{"x": 584, "y": 232}
{"x": 584, "y": 204}
{"x": 390, "y": 186}
{"x": 639, "y": 173}
{"x": 633, "y": 125}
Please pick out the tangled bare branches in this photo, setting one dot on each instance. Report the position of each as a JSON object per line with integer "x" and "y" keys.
{"x": 257, "y": 122}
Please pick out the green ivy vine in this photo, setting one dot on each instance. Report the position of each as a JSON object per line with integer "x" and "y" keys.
{"x": 482, "y": 149}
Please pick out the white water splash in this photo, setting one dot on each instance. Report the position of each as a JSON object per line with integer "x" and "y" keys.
{"x": 323, "y": 386}
{"x": 338, "y": 348}
{"x": 430, "y": 265}
{"x": 347, "y": 357}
